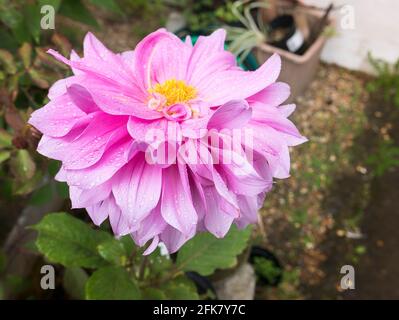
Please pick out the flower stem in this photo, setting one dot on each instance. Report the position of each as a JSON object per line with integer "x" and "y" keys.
{"x": 143, "y": 265}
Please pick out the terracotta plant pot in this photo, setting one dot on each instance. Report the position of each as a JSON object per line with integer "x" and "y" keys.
{"x": 297, "y": 70}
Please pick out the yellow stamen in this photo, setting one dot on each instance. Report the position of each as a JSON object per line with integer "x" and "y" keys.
{"x": 175, "y": 91}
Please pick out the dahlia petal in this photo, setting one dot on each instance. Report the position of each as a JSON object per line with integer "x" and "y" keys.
{"x": 75, "y": 57}
{"x": 262, "y": 168}
{"x": 137, "y": 189}
{"x": 98, "y": 69}
{"x": 143, "y": 56}
{"x": 57, "y": 117}
{"x": 89, "y": 197}
{"x": 61, "y": 175}
{"x": 217, "y": 221}
{"x": 216, "y": 63}
{"x": 100, "y": 134}
{"x": 272, "y": 117}
{"x": 283, "y": 170}
{"x": 205, "y": 169}
{"x": 100, "y": 211}
{"x": 116, "y": 100}
{"x": 249, "y": 210}
{"x": 82, "y": 98}
{"x": 74, "y": 195}
{"x": 98, "y": 57}
{"x": 119, "y": 224}
{"x": 144, "y": 130}
{"x": 93, "y": 48}
{"x": 159, "y": 139}
{"x": 232, "y": 115}
{"x": 128, "y": 57}
{"x": 208, "y": 56}
{"x": 195, "y": 128}
{"x": 234, "y": 84}
{"x": 242, "y": 177}
{"x": 170, "y": 66}
{"x": 198, "y": 196}
{"x": 273, "y": 95}
{"x": 174, "y": 239}
{"x": 287, "y": 109}
{"x": 58, "y": 147}
{"x": 152, "y": 246}
{"x": 104, "y": 169}
{"x": 60, "y": 86}
{"x": 150, "y": 227}
{"x": 188, "y": 41}
{"x": 176, "y": 206}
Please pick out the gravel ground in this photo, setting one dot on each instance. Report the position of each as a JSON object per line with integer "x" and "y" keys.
{"x": 295, "y": 218}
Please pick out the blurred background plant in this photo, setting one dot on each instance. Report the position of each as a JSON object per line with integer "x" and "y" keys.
{"x": 251, "y": 32}
{"x": 386, "y": 80}
{"x": 204, "y": 16}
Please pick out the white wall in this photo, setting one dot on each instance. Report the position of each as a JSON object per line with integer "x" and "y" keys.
{"x": 376, "y": 30}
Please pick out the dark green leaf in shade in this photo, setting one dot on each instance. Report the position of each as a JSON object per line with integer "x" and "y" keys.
{"x": 69, "y": 241}
{"x": 111, "y": 283}
{"x": 205, "y": 253}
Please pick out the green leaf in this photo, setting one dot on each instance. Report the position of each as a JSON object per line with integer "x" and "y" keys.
{"x": 5, "y": 138}
{"x": 42, "y": 195}
{"x": 7, "y": 41}
{"x": 3, "y": 261}
{"x": 14, "y": 20}
{"x": 32, "y": 18}
{"x": 158, "y": 263}
{"x": 113, "y": 251}
{"x": 39, "y": 78}
{"x": 153, "y": 294}
{"x": 16, "y": 283}
{"x": 77, "y": 11}
{"x": 111, "y": 283}
{"x": 54, "y": 3}
{"x": 25, "y": 52}
{"x": 4, "y": 155}
{"x": 62, "y": 189}
{"x": 205, "y": 253}
{"x": 62, "y": 43}
{"x": 23, "y": 187}
{"x": 128, "y": 244}
{"x": 43, "y": 58}
{"x": 180, "y": 289}
{"x": 53, "y": 167}
{"x": 69, "y": 241}
{"x": 74, "y": 282}
{"x": 7, "y": 60}
{"x": 22, "y": 165}
{"x": 110, "y": 5}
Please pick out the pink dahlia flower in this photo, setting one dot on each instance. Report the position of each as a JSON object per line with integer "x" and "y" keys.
{"x": 111, "y": 120}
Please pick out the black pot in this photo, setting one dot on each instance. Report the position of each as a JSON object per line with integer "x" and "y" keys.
{"x": 289, "y": 37}
{"x": 202, "y": 283}
{"x": 261, "y": 253}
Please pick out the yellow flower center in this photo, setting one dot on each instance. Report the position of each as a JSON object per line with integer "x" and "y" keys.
{"x": 175, "y": 91}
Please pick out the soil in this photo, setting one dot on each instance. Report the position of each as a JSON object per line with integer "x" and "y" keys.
{"x": 377, "y": 274}
{"x": 334, "y": 210}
